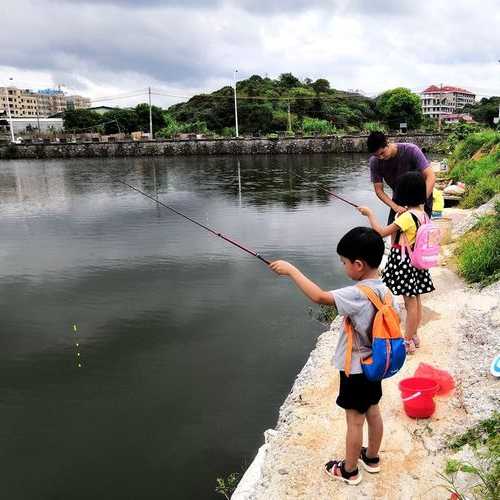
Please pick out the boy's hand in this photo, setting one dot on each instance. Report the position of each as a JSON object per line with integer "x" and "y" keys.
{"x": 281, "y": 267}
{"x": 365, "y": 211}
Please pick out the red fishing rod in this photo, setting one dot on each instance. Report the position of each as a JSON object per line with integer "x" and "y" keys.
{"x": 329, "y": 192}
{"x": 220, "y": 235}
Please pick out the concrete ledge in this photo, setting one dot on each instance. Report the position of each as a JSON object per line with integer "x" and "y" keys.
{"x": 243, "y": 146}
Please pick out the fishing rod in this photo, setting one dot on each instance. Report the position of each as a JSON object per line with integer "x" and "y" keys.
{"x": 329, "y": 192}
{"x": 215, "y": 233}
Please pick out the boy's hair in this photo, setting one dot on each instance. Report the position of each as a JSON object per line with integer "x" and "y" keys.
{"x": 376, "y": 140}
{"x": 411, "y": 190}
{"x": 362, "y": 243}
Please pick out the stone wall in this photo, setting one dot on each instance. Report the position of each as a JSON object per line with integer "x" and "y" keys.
{"x": 305, "y": 145}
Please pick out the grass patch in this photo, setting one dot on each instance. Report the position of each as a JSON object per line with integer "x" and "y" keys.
{"x": 482, "y": 175}
{"x": 484, "y": 439}
{"x": 478, "y": 258}
{"x": 473, "y": 143}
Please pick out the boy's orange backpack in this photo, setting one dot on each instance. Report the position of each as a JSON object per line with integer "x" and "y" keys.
{"x": 388, "y": 347}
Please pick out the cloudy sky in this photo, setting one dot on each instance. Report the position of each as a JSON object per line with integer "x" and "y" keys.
{"x": 117, "y": 48}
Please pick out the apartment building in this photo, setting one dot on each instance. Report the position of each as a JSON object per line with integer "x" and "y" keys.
{"x": 22, "y": 103}
{"x": 444, "y": 100}
{"x": 25, "y": 103}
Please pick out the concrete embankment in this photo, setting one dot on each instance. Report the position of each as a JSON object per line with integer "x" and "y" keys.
{"x": 460, "y": 333}
{"x": 243, "y": 146}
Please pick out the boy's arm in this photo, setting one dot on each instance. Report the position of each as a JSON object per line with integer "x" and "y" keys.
{"x": 382, "y": 230}
{"x": 308, "y": 287}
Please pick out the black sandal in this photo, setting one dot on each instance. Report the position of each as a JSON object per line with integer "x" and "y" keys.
{"x": 371, "y": 465}
{"x": 332, "y": 466}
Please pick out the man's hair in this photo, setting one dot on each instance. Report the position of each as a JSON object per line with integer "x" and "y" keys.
{"x": 362, "y": 243}
{"x": 411, "y": 190}
{"x": 376, "y": 140}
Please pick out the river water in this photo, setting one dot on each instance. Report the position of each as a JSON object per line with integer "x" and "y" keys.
{"x": 185, "y": 346}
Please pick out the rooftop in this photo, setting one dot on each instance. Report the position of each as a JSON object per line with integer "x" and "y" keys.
{"x": 448, "y": 88}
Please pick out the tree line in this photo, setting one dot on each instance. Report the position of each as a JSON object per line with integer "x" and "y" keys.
{"x": 268, "y": 106}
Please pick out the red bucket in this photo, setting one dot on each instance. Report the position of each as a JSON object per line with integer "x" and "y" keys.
{"x": 417, "y": 394}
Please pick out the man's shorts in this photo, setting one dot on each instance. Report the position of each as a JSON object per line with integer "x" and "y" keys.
{"x": 358, "y": 393}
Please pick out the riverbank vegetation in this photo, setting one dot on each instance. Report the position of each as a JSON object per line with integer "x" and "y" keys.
{"x": 483, "y": 470}
{"x": 285, "y": 105}
{"x": 475, "y": 161}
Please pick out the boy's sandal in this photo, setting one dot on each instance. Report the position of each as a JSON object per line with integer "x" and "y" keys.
{"x": 410, "y": 347}
{"x": 333, "y": 467}
{"x": 371, "y": 465}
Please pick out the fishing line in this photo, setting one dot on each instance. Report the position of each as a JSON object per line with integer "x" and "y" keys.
{"x": 215, "y": 233}
{"x": 326, "y": 190}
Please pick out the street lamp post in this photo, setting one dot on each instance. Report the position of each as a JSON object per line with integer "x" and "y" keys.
{"x": 235, "y": 104}
{"x": 9, "y": 113}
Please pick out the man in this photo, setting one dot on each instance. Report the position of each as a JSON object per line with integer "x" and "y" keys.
{"x": 389, "y": 162}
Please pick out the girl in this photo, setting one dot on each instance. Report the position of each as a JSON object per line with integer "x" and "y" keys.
{"x": 399, "y": 275}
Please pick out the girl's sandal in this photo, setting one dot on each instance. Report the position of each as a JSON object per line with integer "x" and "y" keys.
{"x": 410, "y": 347}
{"x": 336, "y": 470}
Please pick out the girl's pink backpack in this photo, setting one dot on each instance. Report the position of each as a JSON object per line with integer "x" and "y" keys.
{"x": 425, "y": 253}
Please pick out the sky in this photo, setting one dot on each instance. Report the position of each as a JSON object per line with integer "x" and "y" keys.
{"x": 113, "y": 50}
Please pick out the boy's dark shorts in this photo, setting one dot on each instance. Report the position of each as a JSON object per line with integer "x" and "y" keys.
{"x": 356, "y": 392}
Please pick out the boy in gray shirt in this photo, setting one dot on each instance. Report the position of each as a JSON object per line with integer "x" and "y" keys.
{"x": 361, "y": 251}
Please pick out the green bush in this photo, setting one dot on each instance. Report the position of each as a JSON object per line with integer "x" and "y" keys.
{"x": 374, "y": 127}
{"x": 481, "y": 192}
{"x": 484, "y": 439}
{"x": 317, "y": 126}
{"x": 478, "y": 258}
{"x": 473, "y": 142}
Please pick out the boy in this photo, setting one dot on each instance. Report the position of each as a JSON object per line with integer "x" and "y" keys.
{"x": 361, "y": 251}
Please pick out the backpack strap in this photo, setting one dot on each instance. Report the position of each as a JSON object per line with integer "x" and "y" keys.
{"x": 348, "y": 328}
{"x": 348, "y": 351}
{"x": 385, "y": 311}
{"x": 404, "y": 246}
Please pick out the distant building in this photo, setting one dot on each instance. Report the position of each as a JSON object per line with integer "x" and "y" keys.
{"x": 25, "y": 103}
{"x": 441, "y": 101}
{"x": 457, "y": 117}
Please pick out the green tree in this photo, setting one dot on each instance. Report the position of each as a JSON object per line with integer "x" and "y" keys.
{"x": 321, "y": 85}
{"x": 400, "y": 105}
{"x": 120, "y": 120}
{"x": 485, "y": 110}
{"x": 142, "y": 113}
{"x": 288, "y": 81}
{"x": 81, "y": 120}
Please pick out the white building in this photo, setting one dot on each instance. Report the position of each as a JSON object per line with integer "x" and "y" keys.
{"x": 441, "y": 101}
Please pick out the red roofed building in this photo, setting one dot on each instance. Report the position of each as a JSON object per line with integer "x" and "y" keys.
{"x": 444, "y": 100}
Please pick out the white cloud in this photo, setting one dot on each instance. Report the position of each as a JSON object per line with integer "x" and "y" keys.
{"x": 116, "y": 46}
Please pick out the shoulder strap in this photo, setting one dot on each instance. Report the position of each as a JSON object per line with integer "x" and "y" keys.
{"x": 372, "y": 296}
{"x": 348, "y": 329}
{"x": 348, "y": 351}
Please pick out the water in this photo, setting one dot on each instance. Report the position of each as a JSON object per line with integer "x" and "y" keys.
{"x": 188, "y": 346}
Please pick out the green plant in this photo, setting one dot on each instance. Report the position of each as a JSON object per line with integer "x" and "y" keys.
{"x": 227, "y": 485}
{"x": 478, "y": 259}
{"x": 484, "y": 439}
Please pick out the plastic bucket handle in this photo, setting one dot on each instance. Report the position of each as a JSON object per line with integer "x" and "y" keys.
{"x": 413, "y": 396}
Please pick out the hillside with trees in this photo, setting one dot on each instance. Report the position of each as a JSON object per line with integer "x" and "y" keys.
{"x": 285, "y": 105}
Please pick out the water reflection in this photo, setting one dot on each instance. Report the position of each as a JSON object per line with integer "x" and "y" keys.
{"x": 190, "y": 345}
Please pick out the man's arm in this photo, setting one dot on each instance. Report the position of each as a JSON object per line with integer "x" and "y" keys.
{"x": 430, "y": 179}
{"x": 308, "y": 287}
{"x": 379, "y": 191}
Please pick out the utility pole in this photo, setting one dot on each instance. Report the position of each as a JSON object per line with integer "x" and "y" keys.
{"x": 150, "y": 116}
{"x": 289, "y": 118}
{"x": 9, "y": 113}
{"x": 235, "y": 104}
